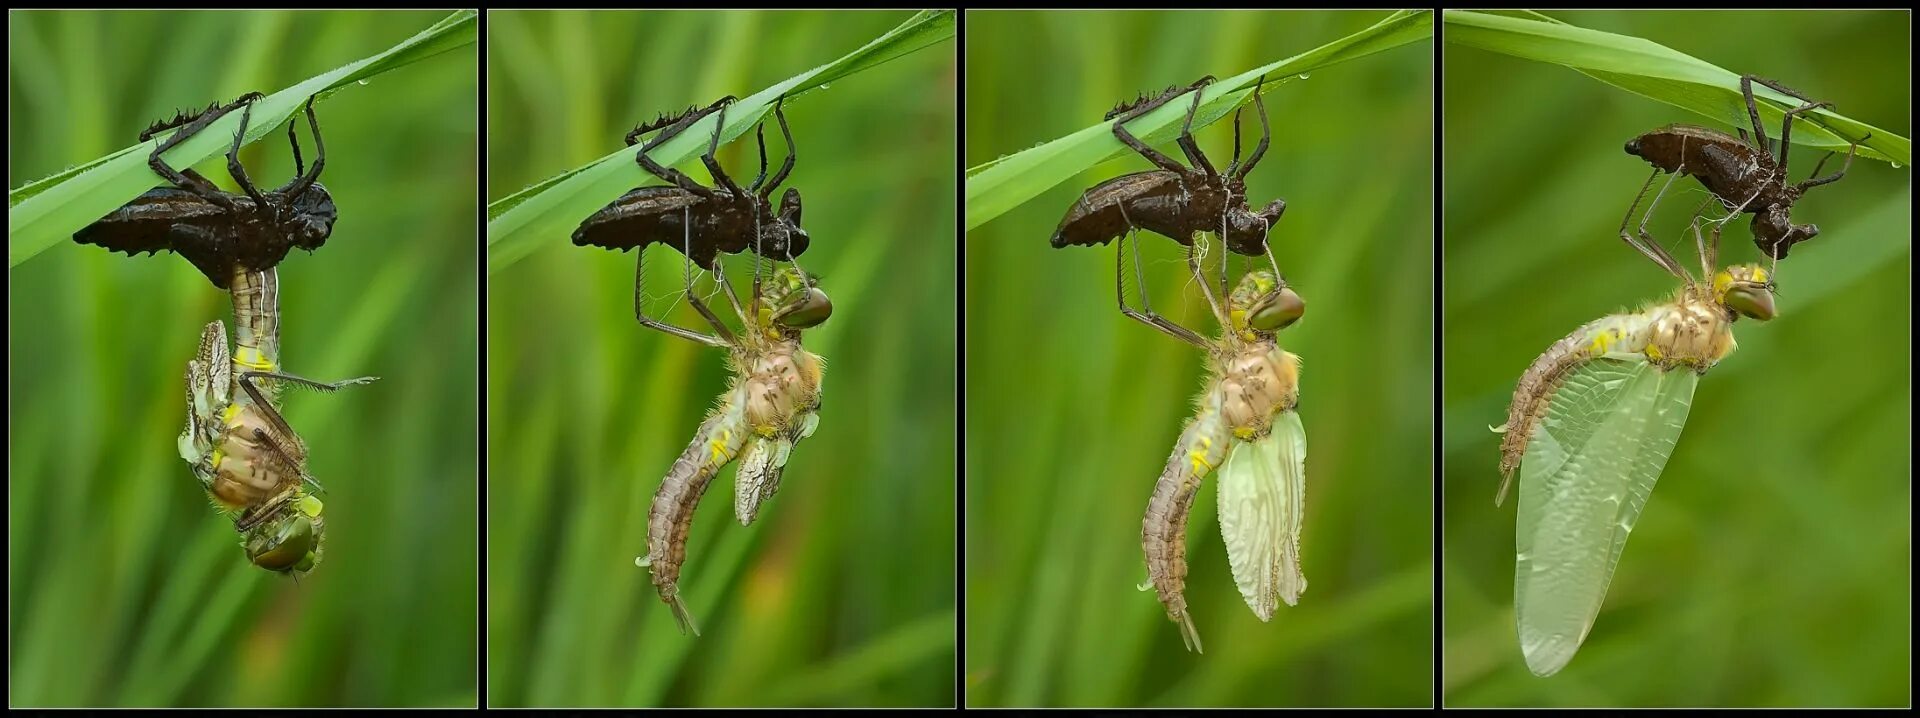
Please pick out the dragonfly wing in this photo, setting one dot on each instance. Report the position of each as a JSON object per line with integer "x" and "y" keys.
{"x": 762, "y": 464}
{"x": 1586, "y": 475}
{"x": 1262, "y": 495}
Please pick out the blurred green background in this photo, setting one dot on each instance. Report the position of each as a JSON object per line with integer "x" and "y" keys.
{"x": 1772, "y": 566}
{"x": 842, "y": 593}
{"x": 125, "y": 587}
{"x": 1071, "y": 407}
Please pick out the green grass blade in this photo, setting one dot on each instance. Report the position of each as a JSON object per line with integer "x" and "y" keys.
{"x": 547, "y": 212}
{"x": 1005, "y": 183}
{"x": 1658, "y": 72}
{"x": 42, "y": 213}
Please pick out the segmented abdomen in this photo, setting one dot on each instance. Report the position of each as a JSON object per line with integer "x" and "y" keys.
{"x": 1203, "y": 446}
{"x": 714, "y": 445}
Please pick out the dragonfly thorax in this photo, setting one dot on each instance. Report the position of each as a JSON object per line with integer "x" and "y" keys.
{"x": 246, "y": 471}
{"x": 1256, "y": 382}
{"x": 781, "y": 381}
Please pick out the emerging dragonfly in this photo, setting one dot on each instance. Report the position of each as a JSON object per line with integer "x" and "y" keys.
{"x": 773, "y": 399}
{"x": 1247, "y": 427}
{"x": 249, "y": 460}
{"x": 1245, "y": 424}
{"x": 1592, "y": 423}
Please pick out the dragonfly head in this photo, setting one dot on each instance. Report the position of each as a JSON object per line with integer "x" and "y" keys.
{"x": 797, "y": 301}
{"x": 1265, "y": 303}
{"x": 313, "y": 217}
{"x": 290, "y": 541}
{"x": 1746, "y": 289}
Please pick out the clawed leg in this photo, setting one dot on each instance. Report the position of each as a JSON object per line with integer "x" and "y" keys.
{"x": 280, "y": 437}
{"x": 189, "y": 180}
{"x": 786, "y": 166}
{"x": 1187, "y": 145}
{"x": 1266, "y": 132}
{"x": 713, "y": 163}
{"x": 671, "y": 175}
{"x": 238, "y": 172}
{"x": 1812, "y": 182}
{"x": 1158, "y": 158}
{"x": 305, "y": 177}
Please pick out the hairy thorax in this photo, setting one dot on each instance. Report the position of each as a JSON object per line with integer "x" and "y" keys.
{"x": 781, "y": 381}
{"x": 1257, "y": 381}
{"x": 247, "y": 471}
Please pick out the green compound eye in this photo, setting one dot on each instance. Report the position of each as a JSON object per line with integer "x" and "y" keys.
{"x": 810, "y": 310}
{"x": 1751, "y": 301}
{"x": 1277, "y": 311}
{"x": 291, "y": 548}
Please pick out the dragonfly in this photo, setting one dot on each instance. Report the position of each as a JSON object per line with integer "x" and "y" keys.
{"x": 772, "y": 401}
{"x": 1592, "y": 423}
{"x": 1246, "y": 426}
{"x": 246, "y": 456}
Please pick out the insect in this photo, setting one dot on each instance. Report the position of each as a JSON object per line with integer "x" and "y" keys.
{"x": 1591, "y": 425}
{"x": 1174, "y": 201}
{"x": 772, "y": 402}
{"x": 773, "y": 399}
{"x": 1744, "y": 172}
{"x": 1246, "y": 426}
{"x": 249, "y": 460}
{"x": 728, "y": 219}
{"x": 215, "y": 230}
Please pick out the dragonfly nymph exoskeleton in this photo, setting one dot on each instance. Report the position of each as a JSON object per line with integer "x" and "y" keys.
{"x": 250, "y": 461}
{"x": 773, "y": 398}
{"x": 1245, "y": 424}
{"x": 1592, "y": 423}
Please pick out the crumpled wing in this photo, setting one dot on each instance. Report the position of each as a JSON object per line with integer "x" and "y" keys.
{"x": 1263, "y": 491}
{"x": 209, "y": 390}
{"x": 761, "y": 466}
{"x": 1587, "y": 473}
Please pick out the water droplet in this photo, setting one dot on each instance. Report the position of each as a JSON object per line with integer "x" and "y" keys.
{"x": 1896, "y": 165}
{"x": 1303, "y": 76}
{"x": 1144, "y": 585}
{"x": 642, "y": 561}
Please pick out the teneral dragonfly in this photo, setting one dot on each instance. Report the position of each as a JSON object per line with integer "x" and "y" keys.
{"x": 1244, "y": 425}
{"x": 1591, "y": 426}
{"x": 772, "y": 402}
{"x": 249, "y": 460}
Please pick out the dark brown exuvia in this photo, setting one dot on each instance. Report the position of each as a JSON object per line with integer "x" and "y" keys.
{"x": 1745, "y": 173}
{"x": 220, "y": 232}
{"x": 702, "y": 221}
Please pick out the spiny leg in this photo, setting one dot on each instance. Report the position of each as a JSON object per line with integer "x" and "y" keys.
{"x": 720, "y": 278}
{"x": 693, "y": 297}
{"x": 1200, "y": 276}
{"x": 760, "y": 142}
{"x": 674, "y": 176}
{"x": 1786, "y": 133}
{"x": 190, "y": 180}
{"x": 282, "y": 440}
{"x": 1646, "y": 238}
{"x": 1158, "y": 158}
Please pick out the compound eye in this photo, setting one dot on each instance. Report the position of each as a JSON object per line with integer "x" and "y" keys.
{"x": 1277, "y": 310}
{"x": 1751, "y": 300}
{"x": 809, "y": 310}
{"x": 290, "y": 549}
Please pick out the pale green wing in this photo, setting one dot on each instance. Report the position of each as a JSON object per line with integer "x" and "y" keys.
{"x": 1263, "y": 491}
{"x": 761, "y": 466}
{"x": 1587, "y": 472}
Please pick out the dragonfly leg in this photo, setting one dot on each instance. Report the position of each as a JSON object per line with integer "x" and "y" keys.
{"x": 1266, "y": 132}
{"x": 305, "y": 177}
{"x": 1187, "y": 145}
{"x": 1655, "y": 253}
{"x": 671, "y": 175}
{"x": 1146, "y": 315}
{"x": 234, "y": 167}
{"x": 1158, "y": 158}
{"x": 693, "y": 297}
{"x": 713, "y": 163}
{"x": 1811, "y": 182}
{"x": 190, "y": 180}
{"x": 640, "y": 309}
{"x": 786, "y": 166}
{"x": 720, "y": 278}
